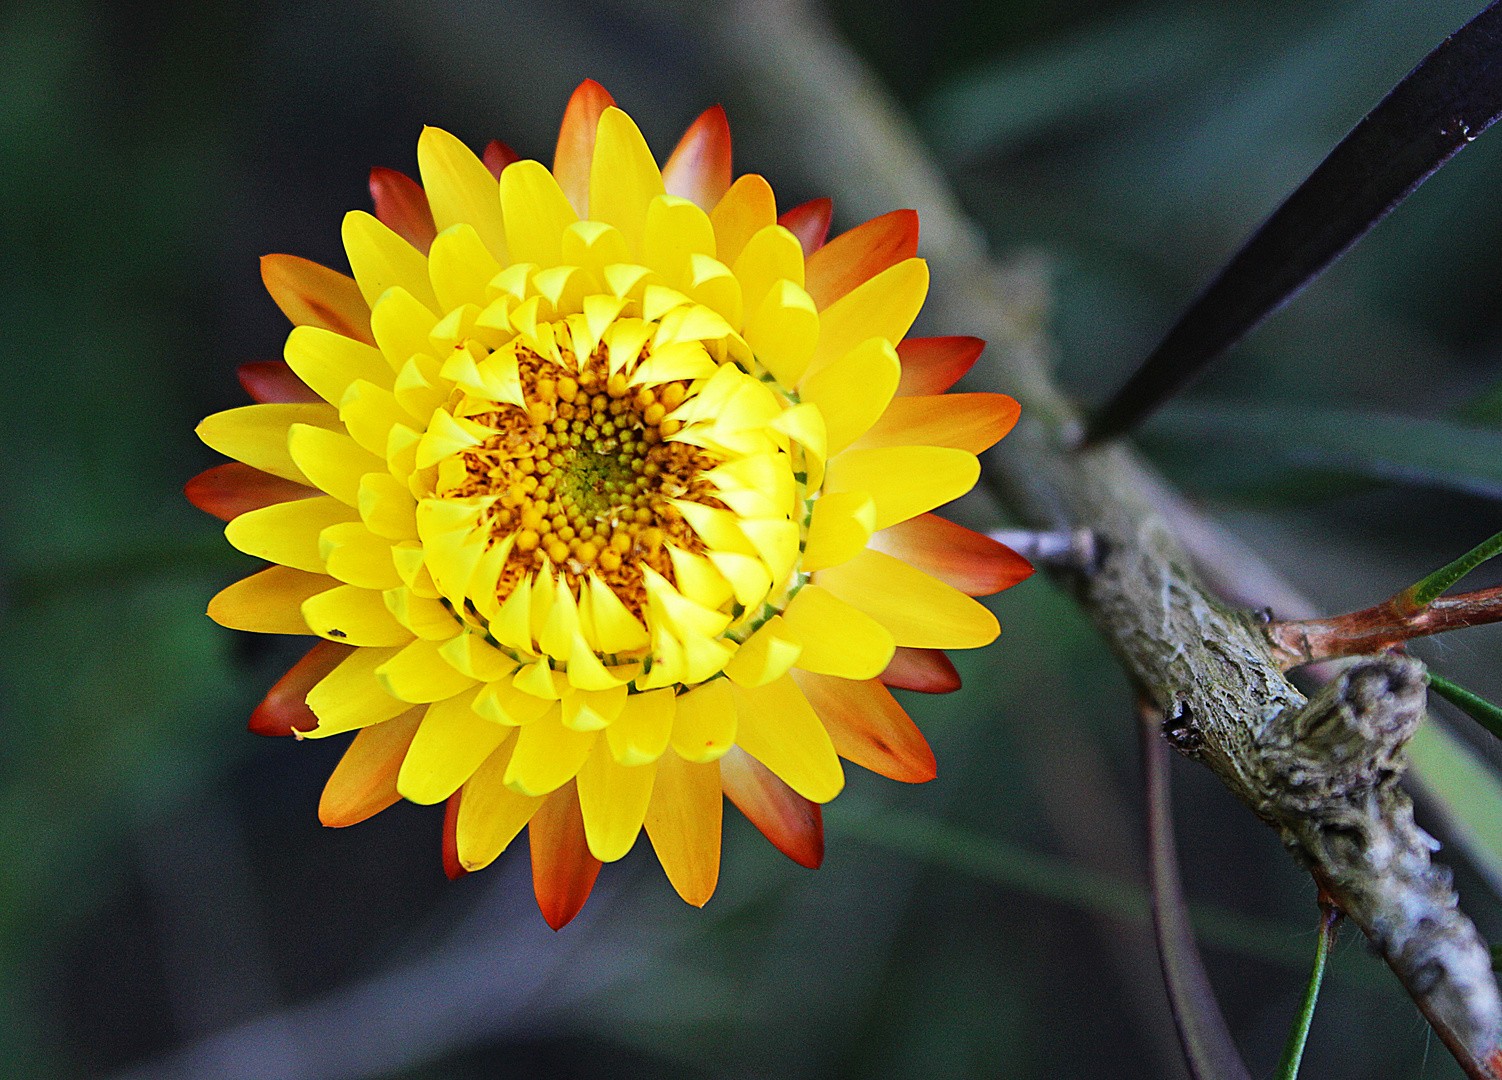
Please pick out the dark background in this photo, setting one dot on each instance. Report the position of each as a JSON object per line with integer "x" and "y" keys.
{"x": 169, "y": 906}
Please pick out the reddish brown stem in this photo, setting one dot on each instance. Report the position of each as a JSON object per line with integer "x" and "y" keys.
{"x": 1379, "y": 629}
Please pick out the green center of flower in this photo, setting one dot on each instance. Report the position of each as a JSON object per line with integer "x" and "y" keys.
{"x": 584, "y": 477}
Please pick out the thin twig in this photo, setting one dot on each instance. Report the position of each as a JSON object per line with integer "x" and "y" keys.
{"x": 1380, "y": 628}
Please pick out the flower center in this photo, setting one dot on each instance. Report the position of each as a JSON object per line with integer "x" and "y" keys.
{"x": 584, "y": 477}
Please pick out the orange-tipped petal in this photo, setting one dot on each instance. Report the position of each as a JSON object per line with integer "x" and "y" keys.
{"x": 576, "y": 143}
{"x": 928, "y": 671}
{"x": 972, "y": 563}
{"x": 931, "y": 365}
{"x": 859, "y": 255}
{"x": 314, "y": 295}
{"x": 793, "y": 824}
{"x": 285, "y": 708}
{"x": 969, "y": 422}
{"x": 563, "y": 870}
{"x": 272, "y": 382}
{"x": 231, "y": 489}
{"x": 497, "y": 156}
{"x": 699, "y": 167}
{"x": 402, "y": 206}
{"x": 683, "y": 823}
{"x": 452, "y": 867}
{"x": 869, "y": 727}
{"x": 747, "y": 208}
{"x": 364, "y": 783}
{"x": 809, "y": 223}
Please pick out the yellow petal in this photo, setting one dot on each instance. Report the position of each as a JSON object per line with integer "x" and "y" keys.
{"x": 613, "y": 799}
{"x": 780, "y": 729}
{"x": 427, "y": 618}
{"x": 676, "y": 229}
{"x": 747, "y": 208}
{"x": 905, "y": 481}
{"x": 490, "y": 814}
{"x": 357, "y": 556}
{"x": 776, "y": 541}
{"x": 771, "y": 255}
{"x": 784, "y": 331}
{"x": 593, "y": 245}
{"x": 920, "y": 611}
{"x": 401, "y": 324}
{"x": 450, "y": 744}
{"x": 547, "y": 755}
{"x": 503, "y": 703}
{"x": 333, "y": 461}
{"x": 591, "y": 710}
{"x": 269, "y": 602}
{"x": 747, "y": 574}
{"x": 370, "y": 412}
{"x": 287, "y": 533}
{"x": 353, "y": 616}
{"x": 381, "y": 259}
{"x": 683, "y": 822}
{"x": 766, "y": 655}
{"x": 460, "y": 266}
{"x": 351, "y": 697}
{"x": 616, "y": 630}
{"x": 460, "y": 189}
{"x": 853, "y": 391}
{"x": 838, "y": 639}
{"x": 841, "y": 525}
{"x": 704, "y": 727}
{"x": 623, "y": 178}
{"x": 537, "y": 213}
{"x": 472, "y": 655}
{"x": 711, "y": 283}
{"x": 387, "y": 507}
{"x": 884, "y": 306}
{"x": 329, "y": 362}
{"x": 257, "y": 434}
{"x": 420, "y": 673}
{"x": 805, "y": 424}
{"x": 640, "y": 733}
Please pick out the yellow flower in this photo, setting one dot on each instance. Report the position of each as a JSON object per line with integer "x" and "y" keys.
{"x": 607, "y": 490}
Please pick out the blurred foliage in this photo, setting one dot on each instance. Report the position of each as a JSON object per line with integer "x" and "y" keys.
{"x": 165, "y": 886}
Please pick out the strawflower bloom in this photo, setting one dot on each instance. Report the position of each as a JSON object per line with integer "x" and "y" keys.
{"x": 607, "y": 490}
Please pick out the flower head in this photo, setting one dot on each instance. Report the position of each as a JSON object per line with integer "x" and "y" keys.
{"x": 607, "y": 490}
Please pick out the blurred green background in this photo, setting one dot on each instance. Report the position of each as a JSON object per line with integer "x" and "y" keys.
{"x": 169, "y": 906}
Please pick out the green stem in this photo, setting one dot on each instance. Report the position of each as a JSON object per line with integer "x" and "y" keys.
{"x": 1476, "y": 707}
{"x": 1420, "y": 595}
{"x": 1293, "y": 1050}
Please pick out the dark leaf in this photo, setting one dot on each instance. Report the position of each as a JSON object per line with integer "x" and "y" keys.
{"x": 1444, "y": 103}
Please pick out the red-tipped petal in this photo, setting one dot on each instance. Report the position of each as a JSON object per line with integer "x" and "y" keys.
{"x": 793, "y": 824}
{"x": 928, "y": 671}
{"x": 285, "y": 707}
{"x": 859, "y": 255}
{"x": 969, "y": 422}
{"x": 699, "y": 167}
{"x": 563, "y": 870}
{"x": 451, "y": 864}
{"x": 231, "y": 489}
{"x": 273, "y": 382}
{"x": 313, "y": 295}
{"x": 497, "y": 156}
{"x": 931, "y": 365}
{"x": 809, "y": 223}
{"x": 576, "y": 142}
{"x": 402, "y": 206}
{"x": 868, "y": 727}
{"x": 972, "y": 563}
{"x": 364, "y": 783}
